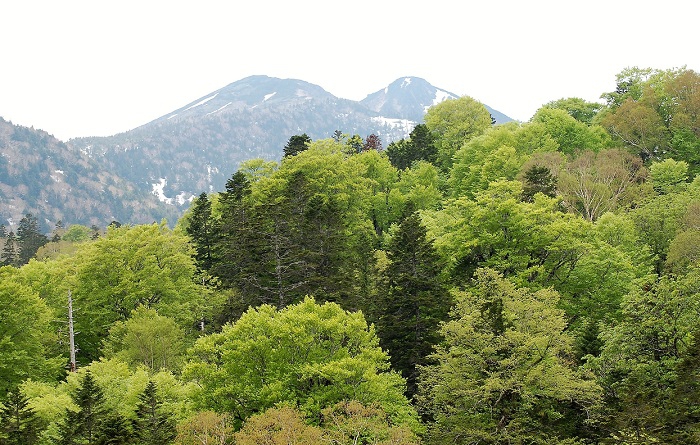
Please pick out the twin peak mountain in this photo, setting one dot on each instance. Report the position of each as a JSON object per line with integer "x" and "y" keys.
{"x": 196, "y": 148}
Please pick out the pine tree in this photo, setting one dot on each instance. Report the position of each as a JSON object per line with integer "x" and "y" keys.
{"x": 18, "y": 422}
{"x": 415, "y": 302}
{"x": 83, "y": 426}
{"x": 3, "y": 231}
{"x": 152, "y": 426}
{"x": 9, "y": 251}
{"x": 114, "y": 430}
{"x": 29, "y": 238}
{"x": 201, "y": 230}
{"x": 296, "y": 145}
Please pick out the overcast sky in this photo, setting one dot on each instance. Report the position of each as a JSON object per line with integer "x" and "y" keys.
{"x": 91, "y": 68}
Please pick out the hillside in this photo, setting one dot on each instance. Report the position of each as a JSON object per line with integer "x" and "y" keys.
{"x": 197, "y": 147}
{"x": 45, "y": 177}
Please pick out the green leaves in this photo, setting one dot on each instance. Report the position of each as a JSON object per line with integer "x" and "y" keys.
{"x": 309, "y": 354}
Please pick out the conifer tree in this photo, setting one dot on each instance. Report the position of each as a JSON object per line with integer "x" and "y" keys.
{"x": 296, "y": 144}
{"x": 201, "y": 230}
{"x": 19, "y": 425}
{"x": 415, "y": 302}
{"x": 152, "y": 426}
{"x": 9, "y": 251}
{"x": 84, "y": 425}
{"x": 29, "y": 238}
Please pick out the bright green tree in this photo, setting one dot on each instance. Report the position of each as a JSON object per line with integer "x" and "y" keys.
{"x": 307, "y": 354}
{"x": 502, "y": 376}
{"x": 26, "y": 334}
{"x": 452, "y": 123}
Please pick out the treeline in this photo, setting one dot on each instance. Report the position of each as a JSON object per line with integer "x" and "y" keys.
{"x": 473, "y": 284}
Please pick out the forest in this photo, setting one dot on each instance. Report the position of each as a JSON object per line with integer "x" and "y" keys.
{"x": 521, "y": 283}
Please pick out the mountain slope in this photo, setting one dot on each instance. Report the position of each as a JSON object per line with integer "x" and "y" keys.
{"x": 45, "y": 177}
{"x": 199, "y": 146}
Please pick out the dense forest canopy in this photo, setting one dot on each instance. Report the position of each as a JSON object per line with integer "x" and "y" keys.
{"x": 533, "y": 282}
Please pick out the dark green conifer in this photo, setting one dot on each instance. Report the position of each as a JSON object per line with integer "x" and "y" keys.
{"x": 84, "y": 425}
{"x": 19, "y": 425}
{"x": 152, "y": 426}
{"x": 415, "y": 302}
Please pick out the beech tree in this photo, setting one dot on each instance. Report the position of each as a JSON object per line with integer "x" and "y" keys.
{"x": 307, "y": 354}
{"x": 502, "y": 375}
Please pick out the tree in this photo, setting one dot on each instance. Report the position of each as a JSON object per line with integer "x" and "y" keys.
{"x": 415, "y": 301}
{"x": 147, "y": 339}
{"x": 19, "y": 424}
{"x": 83, "y": 425}
{"x": 29, "y": 238}
{"x": 310, "y": 355}
{"x": 205, "y": 428}
{"x": 10, "y": 255}
{"x": 201, "y": 229}
{"x": 26, "y": 334}
{"x": 278, "y": 426}
{"x": 372, "y": 142}
{"x": 579, "y": 109}
{"x": 502, "y": 374}
{"x": 148, "y": 265}
{"x": 452, "y": 123}
{"x": 351, "y": 423}
{"x": 538, "y": 179}
{"x": 152, "y": 426}
{"x": 420, "y": 146}
{"x": 296, "y": 145}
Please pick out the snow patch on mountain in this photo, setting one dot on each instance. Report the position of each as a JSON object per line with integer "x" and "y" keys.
{"x": 406, "y": 82}
{"x": 267, "y": 96}
{"x": 201, "y": 102}
{"x": 218, "y": 109}
{"x": 404, "y": 125}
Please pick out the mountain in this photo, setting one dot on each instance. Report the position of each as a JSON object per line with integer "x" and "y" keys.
{"x": 410, "y": 97}
{"x": 45, "y": 177}
{"x": 153, "y": 171}
{"x": 197, "y": 147}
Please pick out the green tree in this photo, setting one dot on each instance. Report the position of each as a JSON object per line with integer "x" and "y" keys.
{"x": 502, "y": 375}
{"x": 10, "y": 255}
{"x": 29, "y": 238}
{"x": 307, "y": 354}
{"x": 82, "y": 425}
{"x": 19, "y": 424}
{"x": 420, "y": 146}
{"x": 454, "y": 122}
{"x": 579, "y": 109}
{"x": 201, "y": 229}
{"x": 152, "y": 426}
{"x": 296, "y": 145}
{"x": 415, "y": 301}
{"x": 204, "y": 428}
{"x": 668, "y": 175}
{"x": 148, "y": 339}
{"x": 25, "y": 334}
{"x": 538, "y": 179}
{"x": 148, "y": 265}
{"x": 352, "y": 423}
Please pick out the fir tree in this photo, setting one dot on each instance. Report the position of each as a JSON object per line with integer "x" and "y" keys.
{"x": 152, "y": 426}
{"x": 84, "y": 425}
{"x": 29, "y": 238}
{"x": 415, "y": 302}
{"x": 9, "y": 251}
{"x": 18, "y": 422}
{"x": 296, "y": 145}
{"x": 114, "y": 430}
{"x": 201, "y": 230}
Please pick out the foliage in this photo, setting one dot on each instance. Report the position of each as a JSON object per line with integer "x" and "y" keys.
{"x": 205, "y": 428}
{"x": 307, "y": 354}
{"x": 503, "y": 374}
{"x": 19, "y": 424}
{"x": 25, "y": 334}
{"x": 452, "y": 123}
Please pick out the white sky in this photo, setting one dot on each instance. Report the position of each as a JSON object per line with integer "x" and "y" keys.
{"x": 90, "y": 68}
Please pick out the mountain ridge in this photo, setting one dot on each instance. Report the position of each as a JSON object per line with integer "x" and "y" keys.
{"x": 198, "y": 146}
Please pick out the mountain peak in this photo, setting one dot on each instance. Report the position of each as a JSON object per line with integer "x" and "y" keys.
{"x": 409, "y": 97}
